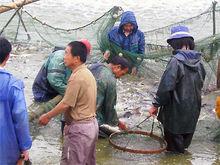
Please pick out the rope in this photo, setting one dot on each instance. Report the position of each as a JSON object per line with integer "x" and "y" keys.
{"x": 48, "y": 42}
{"x": 186, "y": 20}
{"x": 68, "y": 30}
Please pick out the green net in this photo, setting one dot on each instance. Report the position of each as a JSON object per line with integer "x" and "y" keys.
{"x": 22, "y": 28}
{"x": 38, "y": 33}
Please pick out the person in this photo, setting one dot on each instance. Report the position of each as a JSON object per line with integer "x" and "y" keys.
{"x": 15, "y": 138}
{"x": 52, "y": 78}
{"x": 179, "y": 91}
{"x": 50, "y": 83}
{"x": 79, "y": 105}
{"x": 106, "y": 75}
{"x": 128, "y": 36}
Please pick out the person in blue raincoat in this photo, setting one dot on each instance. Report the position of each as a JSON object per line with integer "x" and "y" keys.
{"x": 14, "y": 127}
{"x": 128, "y": 36}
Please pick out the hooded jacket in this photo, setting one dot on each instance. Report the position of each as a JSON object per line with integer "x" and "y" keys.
{"x": 134, "y": 42}
{"x": 179, "y": 92}
{"x": 106, "y": 94}
{"x": 52, "y": 78}
{"x": 14, "y": 126}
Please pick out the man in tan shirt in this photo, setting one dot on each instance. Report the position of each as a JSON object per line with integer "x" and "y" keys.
{"x": 79, "y": 106}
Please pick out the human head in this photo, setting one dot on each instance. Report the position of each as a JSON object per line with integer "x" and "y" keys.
{"x": 120, "y": 66}
{"x": 128, "y": 27}
{"x": 128, "y": 22}
{"x": 180, "y": 37}
{"x": 5, "y": 49}
{"x": 87, "y": 44}
{"x": 75, "y": 54}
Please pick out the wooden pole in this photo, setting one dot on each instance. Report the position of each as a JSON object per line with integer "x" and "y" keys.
{"x": 213, "y": 16}
{"x": 218, "y": 74}
{"x": 15, "y": 5}
{"x": 214, "y": 32}
{"x": 8, "y": 22}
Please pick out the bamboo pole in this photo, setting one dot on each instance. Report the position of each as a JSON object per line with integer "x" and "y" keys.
{"x": 218, "y": 74}
{"x": 214, "y": 3}
{"x": 214, "y": 33}
{"x": 15, "y": 5}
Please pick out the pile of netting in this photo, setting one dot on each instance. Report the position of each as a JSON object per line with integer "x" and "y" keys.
{"x": 22, "y": 27}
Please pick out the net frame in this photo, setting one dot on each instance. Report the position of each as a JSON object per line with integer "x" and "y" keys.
{"x": 145, "y": 133}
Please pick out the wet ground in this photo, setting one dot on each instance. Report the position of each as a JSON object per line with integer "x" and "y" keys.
{"x": 133, "y": 93}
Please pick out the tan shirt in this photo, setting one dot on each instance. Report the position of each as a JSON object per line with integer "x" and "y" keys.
{"x": 81, "y": 94}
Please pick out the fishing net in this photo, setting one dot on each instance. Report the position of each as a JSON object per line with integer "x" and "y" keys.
{"x": 140, "y": 141}
{"x": 26, "y": 30}
{"x": 31, "y": 31}
{"x": 23, "y": 28}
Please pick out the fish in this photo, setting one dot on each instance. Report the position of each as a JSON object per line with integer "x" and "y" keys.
{"x": 106, "y": 130}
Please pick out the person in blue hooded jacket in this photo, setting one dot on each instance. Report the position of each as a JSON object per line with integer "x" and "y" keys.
{"x": 179, "y": 91}
{"x": 128, "y": 36}
{"x": 15, "y": 138}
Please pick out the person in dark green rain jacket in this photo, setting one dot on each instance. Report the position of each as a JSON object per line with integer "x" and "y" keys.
{"x": 106, "y": 75}
{"x": 50, "y": 83}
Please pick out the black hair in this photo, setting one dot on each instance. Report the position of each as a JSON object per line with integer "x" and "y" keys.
{"x": 117, "y": 60}
{"x": 180, "y": 42}
{"x": 78, "y": 49}
{"x": 5, "y": 49}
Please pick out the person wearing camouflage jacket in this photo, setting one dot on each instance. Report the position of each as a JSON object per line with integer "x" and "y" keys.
{"x": 52, "y": 78}
{"x": 106, "y": 75}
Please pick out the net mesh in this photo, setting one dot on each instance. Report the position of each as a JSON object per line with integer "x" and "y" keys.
{"x": 137, "y": 142}
{"x": 21, "y": 27}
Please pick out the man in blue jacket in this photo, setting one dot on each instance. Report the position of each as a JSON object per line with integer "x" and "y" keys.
{"x": 128, "y": 36}
{"x": 14, "y": 138}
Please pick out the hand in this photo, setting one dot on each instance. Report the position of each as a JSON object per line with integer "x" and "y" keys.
{"x": 153, "y": 110}
{"x": 122, "y": 125}
{"x": 134, "y": 71}
{"x": 106, "y": 55}
{"x": 25, "y": 155}
{"x": 65, "y": 130}
{"x": 44, "y": 119}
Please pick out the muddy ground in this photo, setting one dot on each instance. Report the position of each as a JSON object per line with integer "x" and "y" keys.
{"x": 133, "y": 93}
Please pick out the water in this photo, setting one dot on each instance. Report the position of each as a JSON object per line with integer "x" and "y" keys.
{"x": 132, "y": 92}
{"x": 150, "y": 14}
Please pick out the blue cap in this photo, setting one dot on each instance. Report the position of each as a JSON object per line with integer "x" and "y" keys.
{"x": 179, "y": 32}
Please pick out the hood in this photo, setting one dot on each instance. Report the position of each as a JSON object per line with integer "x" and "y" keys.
{"x": 7, "y": 80}
{"x": 4, "y": 77}
{"x": 189, "y": 58}
{"x": 128, "y": 17}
